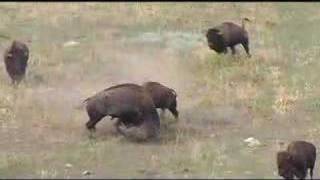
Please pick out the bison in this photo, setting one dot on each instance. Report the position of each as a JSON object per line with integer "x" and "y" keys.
{"x": 129, "y": 103}
{"x": 16, "y": 60}
{"x": 296, "y": 160}
{"x": 163, "y": 97}
{"x": 226, "y": 35}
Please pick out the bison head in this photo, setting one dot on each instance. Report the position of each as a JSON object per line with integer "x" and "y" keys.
{"x": 19, "y": 50}
{"x": 173, "y": 104}
{"x": 215, "y": 40}
{"x": 285, "y": 167}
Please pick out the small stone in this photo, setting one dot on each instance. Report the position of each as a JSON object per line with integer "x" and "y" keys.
{"x": 186, "y": 170}
{"x": 4, "y": 111}
{"x": 252, "y": 142}
{"x": 70, "y": 43}
{"x": 275, "y": 173}
{"x": 68, "y": 165}
{"x": 86, "y": 173}
{"x": 141, "y": 170}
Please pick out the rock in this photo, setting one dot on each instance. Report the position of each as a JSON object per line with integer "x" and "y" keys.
{"x": 142, "y": 170}
{"x": 70, "y": 43}
{"x": 186, "y": 170}
{"x": 4, "y": 111}
{"x": 275, "y": 173}
{"x": 68, "y": 165}
{"x": 86, "y": 173}
{"x": 252, "y": 142}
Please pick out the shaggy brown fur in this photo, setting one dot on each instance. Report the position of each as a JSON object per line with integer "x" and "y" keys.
{"x": 130, "y": 103}
{"x": 227, "y": 35}
{"x": 16, "y": 60}
{"x": 163, "y": 97}
{"x": 296, "y": 160}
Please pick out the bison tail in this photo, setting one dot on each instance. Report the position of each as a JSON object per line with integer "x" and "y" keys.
{"x": 243, "y": 22}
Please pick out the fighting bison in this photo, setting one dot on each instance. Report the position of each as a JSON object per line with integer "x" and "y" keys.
{"x": 16, "y": 59}
{"x": 296, "y": 160}
{"x": 226, "y": 35}
{"x": 163, "y": 97}
{"x": 129, "y": 103}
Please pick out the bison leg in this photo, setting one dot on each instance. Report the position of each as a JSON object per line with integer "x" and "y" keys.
{"x": 174, "y": 112}
{"x": 152, "y": 129}
{"x": 245, "y": 45}
{"x": 117, "y": 125}
{"x": 24, "y": 81}
{"x": 123, "y": 122}
{"x": 94, "y": 119}
{"x": 233, "y": 50}
{"x": 301, "y": 174}
{"x": 225, "y": 51}
{"x": 14, "y": 82}
{"x": 162, "y": 113}
{"x": 119, "y": 130}
{"x": 311, "y": 172}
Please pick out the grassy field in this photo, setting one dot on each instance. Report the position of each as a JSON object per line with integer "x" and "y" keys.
{"x": 223, "y": 100}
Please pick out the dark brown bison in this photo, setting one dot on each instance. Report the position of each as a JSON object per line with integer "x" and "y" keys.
{"x": 16, "y": 61}
{"x": 163, "y": 97}
{"x": 296, "y": 160}
{"x": 226, "y": 35}
{"x": 129, "y": 103}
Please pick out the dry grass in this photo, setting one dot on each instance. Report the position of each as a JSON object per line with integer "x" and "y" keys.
{"x": 222, "y": 99}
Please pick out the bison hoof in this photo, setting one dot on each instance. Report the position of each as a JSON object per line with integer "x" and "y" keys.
{"x": 92, "y": 135}
{"x": 92, "y": 129}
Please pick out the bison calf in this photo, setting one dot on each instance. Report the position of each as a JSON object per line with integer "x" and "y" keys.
{"x": 130, "y": 103}
{"x": 163, "y": 97}
{"x": 16, "y": 59}
{"x": 296, "y": 160}
{"x": 226, "y": 35}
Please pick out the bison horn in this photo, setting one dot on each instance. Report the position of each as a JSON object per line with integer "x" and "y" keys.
{"x": 173, "y": 92}
{"x": 220, "y": 33}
